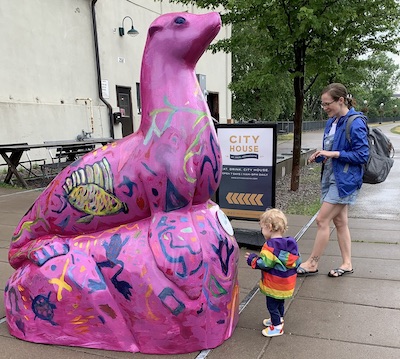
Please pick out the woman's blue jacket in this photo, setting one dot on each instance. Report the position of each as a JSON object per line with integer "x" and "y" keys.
{"x": 348, "y": 168}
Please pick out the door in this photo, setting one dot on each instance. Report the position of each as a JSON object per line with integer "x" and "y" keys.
{"x": 213, "y": 104}
{"x": 124, "y": 102}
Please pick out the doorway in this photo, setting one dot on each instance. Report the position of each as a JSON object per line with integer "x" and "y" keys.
{"x": 213, "y": 104}
{"x": 124, "y": 102}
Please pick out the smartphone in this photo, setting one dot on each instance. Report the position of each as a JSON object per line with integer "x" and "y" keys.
{"x": 320, "y": 159}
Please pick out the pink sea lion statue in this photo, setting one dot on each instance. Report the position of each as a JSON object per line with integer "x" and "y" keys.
{"x": 125, "y": 250}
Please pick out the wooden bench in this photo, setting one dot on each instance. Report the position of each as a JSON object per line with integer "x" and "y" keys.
{"x": 26, "y": 162}
{"x": 63, "y": 155}
{"x": 284, "y": 130}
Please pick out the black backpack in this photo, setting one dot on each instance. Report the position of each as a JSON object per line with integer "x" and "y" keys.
{"x": 381, "y": 153}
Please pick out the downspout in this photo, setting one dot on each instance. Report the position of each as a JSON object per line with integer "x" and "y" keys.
{"x": 96, "y": 47}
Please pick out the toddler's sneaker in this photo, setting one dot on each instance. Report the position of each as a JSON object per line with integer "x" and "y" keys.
{"x": 268, "y": 322}
{"x": 273, "y": 331}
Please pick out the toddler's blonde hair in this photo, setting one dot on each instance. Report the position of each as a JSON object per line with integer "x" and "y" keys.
{"x": 276, "y": 218}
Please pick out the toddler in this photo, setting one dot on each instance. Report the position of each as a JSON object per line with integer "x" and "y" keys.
{"x": 278, "y": 261}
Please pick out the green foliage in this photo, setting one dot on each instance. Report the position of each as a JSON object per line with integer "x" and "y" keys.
{"x": 371, "y": 81}
{"x": 286, "y": 137}
{"x": 378, "y": 85}
{"x": 6, "y": 185}
{"x": 291, "y": 49}
{"x": 319, "y": 41}
{"x": 258, "y": 94}
{"x": 396, "y": 130}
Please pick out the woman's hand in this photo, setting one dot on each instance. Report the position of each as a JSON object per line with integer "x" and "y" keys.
{"x": 322, "y": 156}
{"x": 312, "y": 157}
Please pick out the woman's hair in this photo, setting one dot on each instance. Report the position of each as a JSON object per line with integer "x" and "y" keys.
{"x": 337, "y": 90}
{"x": 276, "y": 218}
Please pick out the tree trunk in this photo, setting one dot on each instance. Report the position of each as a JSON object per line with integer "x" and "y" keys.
{"x": 298, "y": 84}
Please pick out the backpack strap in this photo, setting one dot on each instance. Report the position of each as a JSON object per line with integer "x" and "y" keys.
{"x": 349, "y": 122}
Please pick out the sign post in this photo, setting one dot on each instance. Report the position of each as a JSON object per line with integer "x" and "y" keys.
{"x": 247, "y": 186}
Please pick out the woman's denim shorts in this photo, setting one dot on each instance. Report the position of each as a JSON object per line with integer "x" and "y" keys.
{"x": 330, "y": 194}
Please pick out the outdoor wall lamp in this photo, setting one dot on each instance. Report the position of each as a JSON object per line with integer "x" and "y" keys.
{"x": 131, "y": 32}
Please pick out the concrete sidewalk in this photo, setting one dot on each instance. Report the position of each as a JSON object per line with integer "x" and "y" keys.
{"x": 355, "y": 316}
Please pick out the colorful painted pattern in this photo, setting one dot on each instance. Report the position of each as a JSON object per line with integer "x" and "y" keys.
{"x": 124, "y": 250}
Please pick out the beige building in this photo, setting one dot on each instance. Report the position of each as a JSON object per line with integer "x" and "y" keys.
{"x": 66, "y": 71}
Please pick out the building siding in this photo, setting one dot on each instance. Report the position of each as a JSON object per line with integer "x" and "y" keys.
{"x": 48, "y": 62}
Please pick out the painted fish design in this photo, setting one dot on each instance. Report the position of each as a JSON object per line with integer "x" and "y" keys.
{"x": 90, "y": 190}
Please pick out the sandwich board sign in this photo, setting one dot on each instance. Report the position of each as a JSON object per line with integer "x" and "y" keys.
{"x": 247, "y": 185}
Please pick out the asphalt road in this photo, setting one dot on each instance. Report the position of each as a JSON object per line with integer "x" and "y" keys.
{"x": 381, "y": 201}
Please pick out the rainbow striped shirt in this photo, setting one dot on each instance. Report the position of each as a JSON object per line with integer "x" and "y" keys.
{"x": 278, "y": 261}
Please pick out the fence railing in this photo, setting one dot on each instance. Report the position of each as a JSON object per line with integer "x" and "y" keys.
{"x": 286, "y": 127}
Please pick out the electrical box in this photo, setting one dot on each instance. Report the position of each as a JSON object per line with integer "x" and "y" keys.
{"x": 117, "y": 117}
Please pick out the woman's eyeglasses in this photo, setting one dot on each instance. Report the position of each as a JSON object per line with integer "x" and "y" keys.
{"x": 325, "y": 104}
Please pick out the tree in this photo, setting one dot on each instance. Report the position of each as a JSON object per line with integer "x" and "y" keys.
{"x": 308, "y": 39}
{"x": 260, "y": 95}
{"x": 380, "y": 82}
{"x": 371, "y": 81}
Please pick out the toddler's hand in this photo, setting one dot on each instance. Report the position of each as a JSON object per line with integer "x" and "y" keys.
{"x": 249, "y": 257}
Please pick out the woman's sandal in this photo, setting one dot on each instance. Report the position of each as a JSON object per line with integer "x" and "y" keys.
{"x": 302, "y": 272}
{"x": 338, "y": 272}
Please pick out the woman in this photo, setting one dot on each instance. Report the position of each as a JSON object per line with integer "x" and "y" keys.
{"x": 341, "y": 177}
